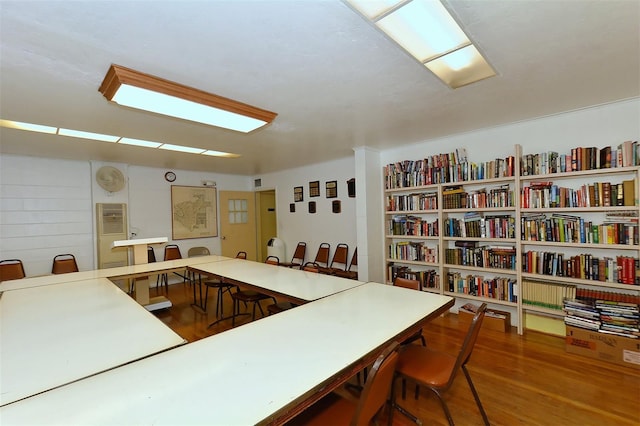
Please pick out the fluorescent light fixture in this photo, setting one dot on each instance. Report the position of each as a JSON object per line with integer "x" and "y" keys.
{"x": 28, "y": 126}
{"x": 426, "y": 30}
{"x": 138, "y": 90}
{"x": 220, "y": 154}
{"x": 108, "y": 138}
{"x": 88, "y": 135}
{"x": 182, "y": 148}
{"x": 140, "y": 142}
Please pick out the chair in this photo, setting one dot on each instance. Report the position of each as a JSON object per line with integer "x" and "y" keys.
{"x": 251, "y": 296}
{"x": 171, "y": 252}
{"x": 198, "y": 251}
{"x": 339, "y": 261}
{"x": 412, "y": 285}
{"x": 336, "y": 410}
{"x": 222, "y": 287}
{"x": 350, "y": 273}
{"x": 437, "y": 370}
{"x": 64, "y": 263}
{"x": 298, "y": 256}
{"x": 283, "y": 306}
{"x": 322, "y": 255}
{"x": 11, "y": 269}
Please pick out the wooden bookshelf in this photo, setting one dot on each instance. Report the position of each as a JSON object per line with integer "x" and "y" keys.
{"x": 462, "y": 194}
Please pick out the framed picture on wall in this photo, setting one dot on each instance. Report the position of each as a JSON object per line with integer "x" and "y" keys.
{"x": 312, "y": 206}
{"x": 292, "y": 208}
{"x": 332, "y": 189}
{"x": 298, "y": 194}
{"x": 314, "y": 188}
{"x": 336, "y": 206}
{"x": 194, "y": 212}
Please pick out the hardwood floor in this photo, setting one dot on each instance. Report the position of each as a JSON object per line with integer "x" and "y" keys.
{"x": 522, "y": 380}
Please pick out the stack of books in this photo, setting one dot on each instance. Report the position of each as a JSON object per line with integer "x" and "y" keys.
{"x": 619, "y": 318}
{"x": 581, "y": 314}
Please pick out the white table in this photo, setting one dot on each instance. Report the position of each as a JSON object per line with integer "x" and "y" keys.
{"x": 56, "y": 334}
{"x": 292, "y": 284}
{"x": 120, "y": 272}
{"x": 262, "y": 372}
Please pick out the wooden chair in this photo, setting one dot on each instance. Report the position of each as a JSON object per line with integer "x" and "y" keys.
{"x": 64, "y": 263}
{"x": 221, "y": 288}
{"x": 322, "y": 255}
{"x": 352, "y": 270}
{"x": 11, "y": 269}
{"x": 311, "y": 267}
{"x": 251, "y": 296}
{"x": 437, "y": 370}
{"x": 336, "y": 410}
{"x": 171, "y": 252}
{"x": 297, "y": 260}
{"x": 339, "y": 261}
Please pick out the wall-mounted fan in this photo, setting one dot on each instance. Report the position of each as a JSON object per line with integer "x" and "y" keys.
{"x": 110, "y": 179}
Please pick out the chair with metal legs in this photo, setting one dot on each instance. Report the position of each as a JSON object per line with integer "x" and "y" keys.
{"x": 251, "y": 296}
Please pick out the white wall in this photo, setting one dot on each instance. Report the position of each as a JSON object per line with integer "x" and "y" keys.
{"x": 45, "y": 210}
{"x": 47, "y": 207}
{"x": 599, "y": 126}
{"x": 323, "y": 226}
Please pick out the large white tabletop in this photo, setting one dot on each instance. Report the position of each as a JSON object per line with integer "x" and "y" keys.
{"x": 56, "y": 334}
{"x": 294, "y": 284}
{"x": 262, "y": 372}
{"x": 131, "y": 271}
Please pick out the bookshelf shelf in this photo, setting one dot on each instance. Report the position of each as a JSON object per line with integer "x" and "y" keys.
{"x": 412, "y": 262}
{"x": 503, "y": 201}
{"x": 412, "y": 237}
{"x": 480, "y": 298}
{"x": 631, "y": 247}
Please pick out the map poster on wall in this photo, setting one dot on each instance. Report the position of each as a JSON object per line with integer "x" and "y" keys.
{"x": 193, "y": 212}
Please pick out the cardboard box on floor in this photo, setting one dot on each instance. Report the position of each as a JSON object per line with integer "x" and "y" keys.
{"x": 607, "y": 347}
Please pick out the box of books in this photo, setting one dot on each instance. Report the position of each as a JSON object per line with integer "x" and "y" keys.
{"x": 608, "y": 347}
{"x": 493, "y": 319}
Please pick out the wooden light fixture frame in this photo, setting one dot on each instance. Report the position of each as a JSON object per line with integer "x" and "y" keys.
{"x": 118, "y": 75}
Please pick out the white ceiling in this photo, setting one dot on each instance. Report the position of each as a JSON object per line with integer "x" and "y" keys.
{"x": 334, "y": 80}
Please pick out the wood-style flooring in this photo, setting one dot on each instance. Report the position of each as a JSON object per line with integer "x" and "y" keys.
{"x": 522, "y": 380}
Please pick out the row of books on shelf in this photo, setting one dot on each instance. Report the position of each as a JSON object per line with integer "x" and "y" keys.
{"x": 429, "y": 279}
{"x": 546, "y": 295}
{"x": 598, "y": 194}
{"x": 403, "y": 225}
{"x": 410, "y": 250}
{"x": 477, "y": 285}
{"x": 475, "y": 225}
{"x": 445, "y": 168}
{"x": 455, "y": 197}
{"x": 563, "y": 228}
{"x": 619, "y": 269}
{"x": 619, "y": 318}
{"x": 581, "y": 158}
{"x": 409, "y": 202}
{"x": 552, "y": 295}
{"x": 468, "y": 254}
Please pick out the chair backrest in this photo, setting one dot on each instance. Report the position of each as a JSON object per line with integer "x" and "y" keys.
{"x": 272, "y": 260}
{"x": 151, "y": 255}
{"x": 469, "y": 341}
{"x": 340, "y": 257}
{"x": 406, "y": 283}
{"x": 299, "y": 253}
{"x": 311, "y": 267}
{"x": 64, "y": 263}
{"x": 354, "y": 260}
{"x": 241, "y": 255}
{"x": 198, "y": 251}
{"x": 11, "y": 269}
{"x": 322, "y": 256}
{"x": 376, "y": 390}
{"x": 172, "y": 252}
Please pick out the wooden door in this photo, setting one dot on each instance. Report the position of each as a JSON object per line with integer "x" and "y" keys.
{"x": 238, "y": 223}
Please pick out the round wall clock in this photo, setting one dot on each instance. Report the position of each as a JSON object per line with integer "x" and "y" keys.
{"x": 170, "y": 176}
